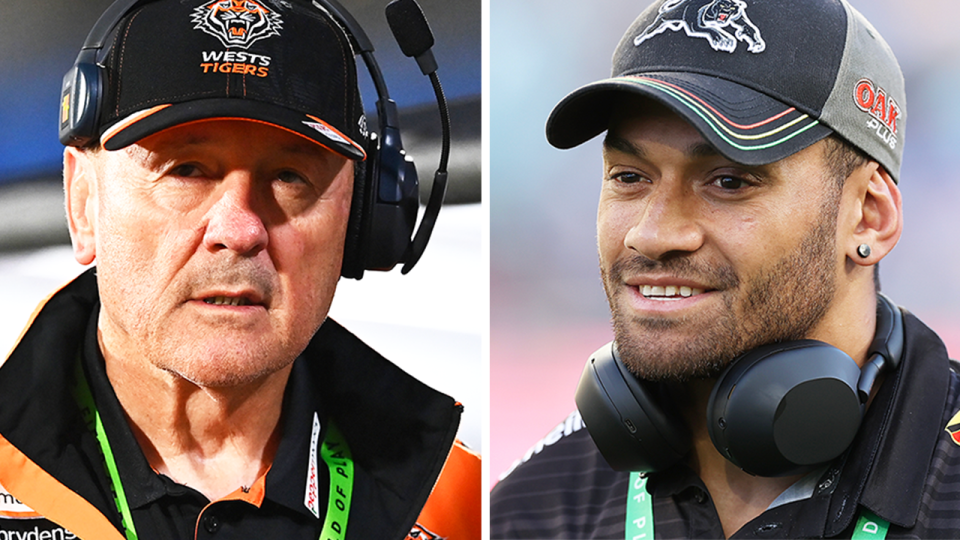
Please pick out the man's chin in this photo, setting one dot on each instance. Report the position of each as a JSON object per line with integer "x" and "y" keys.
{"x": 671, "y": 366}
{"x": 225, "y": 377}
{"x": 226, "y": 364}
{"x": 660, "y": 349}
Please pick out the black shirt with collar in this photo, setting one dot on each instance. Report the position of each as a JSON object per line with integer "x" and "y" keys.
{"x": 163, "y": 509}
{"x": 904, "y": 466}
{"x": 399, "y": 431}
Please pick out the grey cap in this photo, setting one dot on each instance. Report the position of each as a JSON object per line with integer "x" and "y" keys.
{"x": 759, "y": 79}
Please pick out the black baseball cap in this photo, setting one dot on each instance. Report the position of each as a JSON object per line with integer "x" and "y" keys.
{"x": 759, "y": 79}
{"x": 283, "y": 63}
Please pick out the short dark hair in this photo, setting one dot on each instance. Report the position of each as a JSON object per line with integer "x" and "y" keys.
{"x": 843, "y": 158}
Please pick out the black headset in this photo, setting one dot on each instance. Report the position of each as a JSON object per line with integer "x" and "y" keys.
{"x": 383, "y": 213}
{"x": 776, "y": 410}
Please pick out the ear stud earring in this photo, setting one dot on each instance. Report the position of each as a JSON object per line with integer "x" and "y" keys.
{"x": 863, "y": 251}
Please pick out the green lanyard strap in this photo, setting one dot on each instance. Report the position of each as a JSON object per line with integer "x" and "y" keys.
{"x": 639, "y": 525}
{"x": 639, "y": 509}
{"x": 869, "y": 526}
{"x": 88, "y": 408}
{"x": 335, "y": 453}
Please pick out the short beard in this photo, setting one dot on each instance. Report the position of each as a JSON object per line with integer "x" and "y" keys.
{"x": 781, "y": 303}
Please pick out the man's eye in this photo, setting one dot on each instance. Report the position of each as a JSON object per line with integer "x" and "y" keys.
{"x": 186, "y": 170}
{"x": 628, "y": 177}
{"x": 290, "y": 177}
{"x": 731, "y": 183}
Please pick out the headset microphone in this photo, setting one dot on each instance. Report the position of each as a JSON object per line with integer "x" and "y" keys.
{"x": 776, "y": 410}
{"x": 412, "y": 32}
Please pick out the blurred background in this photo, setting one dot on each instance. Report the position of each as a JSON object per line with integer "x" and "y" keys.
{"x": 548, "y": 310}
{"x": 415, "y": 320}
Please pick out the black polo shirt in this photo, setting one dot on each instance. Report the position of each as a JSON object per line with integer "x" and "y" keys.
{"x": 904, "y": 465}
{"x": 163, "y": 509}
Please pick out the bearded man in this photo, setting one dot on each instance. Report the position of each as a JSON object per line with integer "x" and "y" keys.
{"x": 758, "y": 385}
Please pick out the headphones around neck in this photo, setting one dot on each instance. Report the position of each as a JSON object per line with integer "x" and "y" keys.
{"x": 776, "y": 410}
{"x": 383, "y": 213}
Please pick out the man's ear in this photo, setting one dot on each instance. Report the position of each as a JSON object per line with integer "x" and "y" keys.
{"x": 80, "y": 188}
{"x": 879, "y": 220}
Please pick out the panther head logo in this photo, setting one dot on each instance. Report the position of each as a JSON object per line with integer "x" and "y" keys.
{"x": 720, "y": 12}
{"x": 723, "y": 23}
{"x": 237, "y": 23}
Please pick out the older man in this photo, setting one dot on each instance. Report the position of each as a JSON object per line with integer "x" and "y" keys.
{"x": 749, "y": 190}
{"x": 191, "y": 385}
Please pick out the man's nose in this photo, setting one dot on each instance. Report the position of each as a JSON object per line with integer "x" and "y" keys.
{"x": 666, "y": 223}
{"x": 233, "y": 221}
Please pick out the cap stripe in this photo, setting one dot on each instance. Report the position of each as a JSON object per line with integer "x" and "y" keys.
{"x": 332, "y": 136}
{"x": 690, "y": 100}
{"x": 264, "y": 122}
{"x": 709, "y": 115}
{"x": 718, "y": 113}
{"x": 338, "y": 132}
{"x": 129, "y": 121}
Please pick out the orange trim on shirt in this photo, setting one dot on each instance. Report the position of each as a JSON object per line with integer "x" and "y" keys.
{"x": 35, "y": 488}
{"x": 254, "y": 495}
{"x": 19, "y": 515}
{"x": 453, "y": 509}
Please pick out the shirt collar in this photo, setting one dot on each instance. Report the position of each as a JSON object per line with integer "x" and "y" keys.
{"x": 289, "y": 479}
{"x": 286, "y": 481}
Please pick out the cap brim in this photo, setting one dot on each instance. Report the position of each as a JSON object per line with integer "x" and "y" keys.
{"x": 744, "y": 125}
{"x": 147, "y": 122}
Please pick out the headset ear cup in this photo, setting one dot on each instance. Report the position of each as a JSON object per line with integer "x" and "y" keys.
{"x": 395, "y": 203}
{"x": 80, "y": 101}
{"x": 631, "y": 430}
{"x": 358, "y": 226}
{"x": 383, "y": 213}
{"x": 782, "y": 408}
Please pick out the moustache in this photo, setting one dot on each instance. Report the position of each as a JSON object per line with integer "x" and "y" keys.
{"x": 713, "y": 276}
{"x": 233, "y": 274}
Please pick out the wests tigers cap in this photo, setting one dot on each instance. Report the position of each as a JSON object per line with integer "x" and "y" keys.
{"x": 759, "y": 79}
{"x": 284, "y": 63}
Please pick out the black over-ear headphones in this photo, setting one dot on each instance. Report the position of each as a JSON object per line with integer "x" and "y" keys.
{"x": 380, "y": 233}
{"x": 776, "y": 410}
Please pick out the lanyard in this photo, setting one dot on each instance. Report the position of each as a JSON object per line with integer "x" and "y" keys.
{"x": 335, "y": 453}
{"x": 870, "y": 526}
{"x": 639, "y": 509}
{"x": 639, "y": 524}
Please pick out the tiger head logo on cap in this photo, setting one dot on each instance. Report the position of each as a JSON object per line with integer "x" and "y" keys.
{"x": 237, "y": 23}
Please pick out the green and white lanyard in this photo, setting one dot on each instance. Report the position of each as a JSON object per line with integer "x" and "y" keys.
{"x": 639, "y": 524}
{"x": 334, "y": 451}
